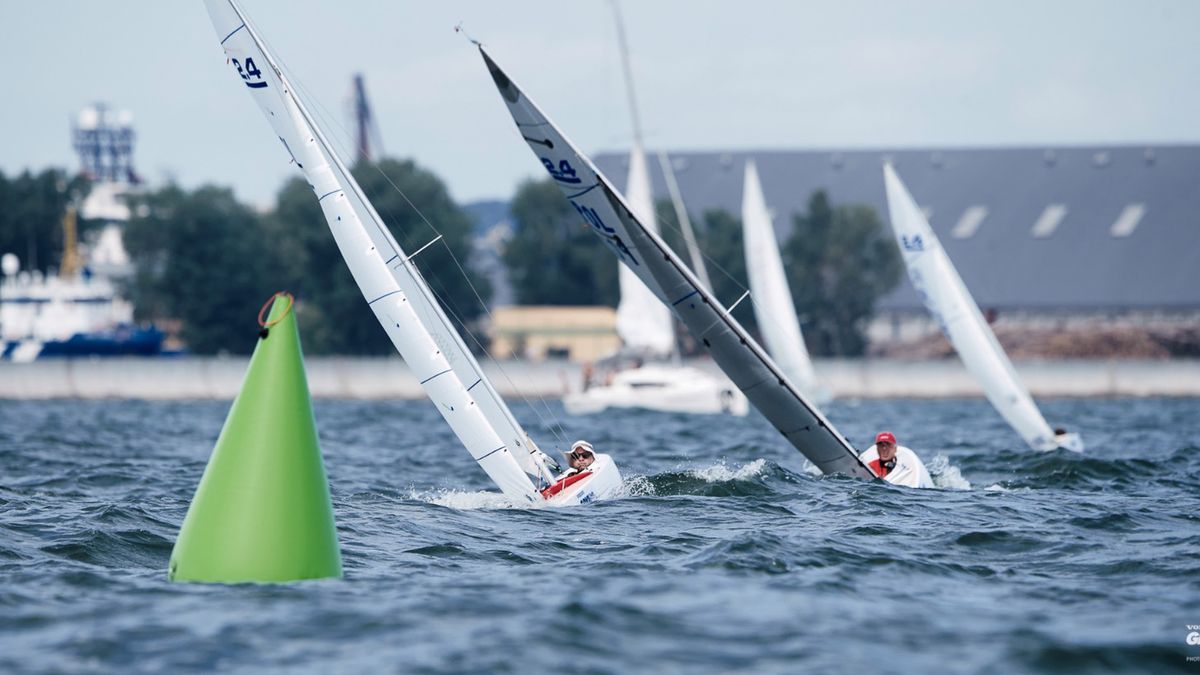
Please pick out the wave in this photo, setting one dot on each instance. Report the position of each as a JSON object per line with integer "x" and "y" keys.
{"x": 945, "y": 475}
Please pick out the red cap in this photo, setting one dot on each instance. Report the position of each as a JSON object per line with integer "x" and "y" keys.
{"x": 885, "y": 436}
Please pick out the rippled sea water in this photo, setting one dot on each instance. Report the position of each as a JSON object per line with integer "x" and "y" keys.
{"x": 725, "y": 555}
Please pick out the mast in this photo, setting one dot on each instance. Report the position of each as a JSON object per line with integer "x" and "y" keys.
{"x": 642, "y": 322}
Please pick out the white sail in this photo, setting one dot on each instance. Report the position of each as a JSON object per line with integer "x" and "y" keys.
{"x": 773, "y": 306}
{"x": 640, "y": 249}
{"x": 946, "y": 297}
{"x": 643, "y": 323}
{"x": 392, "y": 286}
{"x": 685, "y": 222}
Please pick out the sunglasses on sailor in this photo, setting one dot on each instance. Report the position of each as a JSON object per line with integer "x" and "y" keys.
{"x": 584, "y": 454}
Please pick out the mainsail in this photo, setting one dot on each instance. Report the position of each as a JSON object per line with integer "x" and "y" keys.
{"x": 642, "y": 251}
{"x": 773, "y": 305}
{"x": 386, "y": 275}
{"x": 643, "y": 323}
{"x": 946, "y": 297}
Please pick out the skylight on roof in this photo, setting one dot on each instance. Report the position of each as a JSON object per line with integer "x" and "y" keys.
{"x": 1048, "y": 222}
{"x": 1128, "y": 221}
{"x": 970, "y": 221}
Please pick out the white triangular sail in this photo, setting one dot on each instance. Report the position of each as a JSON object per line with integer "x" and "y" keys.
{"x": 734, "y": 351}
{"x": 643, "y": 323}
{"x": 773, "y": 307}
{"x": 946, "y": 297}
{"x": 391, "y": 284}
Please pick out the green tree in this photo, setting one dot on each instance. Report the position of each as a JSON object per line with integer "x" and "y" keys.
{"x": 205, "y": 259}
{"x": 553, "y": 258}
{"x": 839, "y": 261}
{"x": 333, "y": 315}
{"x": 31, "y": 214}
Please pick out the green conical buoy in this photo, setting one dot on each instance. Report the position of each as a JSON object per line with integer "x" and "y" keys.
{"x": 262, "y": 512}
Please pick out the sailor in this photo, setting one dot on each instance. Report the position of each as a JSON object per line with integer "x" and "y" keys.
{"x": 580, "y": 458}
{"x": 895, "y": 463}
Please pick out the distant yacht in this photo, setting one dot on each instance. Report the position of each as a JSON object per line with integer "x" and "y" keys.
{"x": 79, "y": 311}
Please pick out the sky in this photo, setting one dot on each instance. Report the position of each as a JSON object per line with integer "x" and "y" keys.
{"x": 709, "y": 75}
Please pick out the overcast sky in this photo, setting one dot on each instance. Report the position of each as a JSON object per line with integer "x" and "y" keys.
{"x": 710, "y": 74}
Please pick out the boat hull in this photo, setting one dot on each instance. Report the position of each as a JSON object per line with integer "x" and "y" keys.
{"x": 604, "y": 482}
{"x": 661, "y": 388}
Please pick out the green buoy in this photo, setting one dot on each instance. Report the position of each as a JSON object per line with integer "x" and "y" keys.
{"x": 262, "y": 512}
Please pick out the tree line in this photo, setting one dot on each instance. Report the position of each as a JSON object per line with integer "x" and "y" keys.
{"x": 208, "y": 261}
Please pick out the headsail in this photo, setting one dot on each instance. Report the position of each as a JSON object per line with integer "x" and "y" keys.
{"x": 944, "y": 294}
{"x": 640, "y": 249}
{"x": 391, "y": 284}
{"x": 773, "y": 306}
{"x": 685, "y": 221}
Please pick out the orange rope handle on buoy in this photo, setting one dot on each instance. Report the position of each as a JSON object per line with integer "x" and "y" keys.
{"x": 270, "y": 301}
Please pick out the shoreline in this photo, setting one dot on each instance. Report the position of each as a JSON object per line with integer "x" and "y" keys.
{"x": 220, "y": 377}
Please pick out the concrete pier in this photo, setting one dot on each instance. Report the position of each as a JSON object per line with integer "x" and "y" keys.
{"x": 388, "y": 378}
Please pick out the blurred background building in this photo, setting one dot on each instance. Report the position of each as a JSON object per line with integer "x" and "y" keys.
{"x": 1089, "y": 250}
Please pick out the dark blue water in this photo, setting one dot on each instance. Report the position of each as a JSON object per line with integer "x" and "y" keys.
{"x": 726, "y": 555}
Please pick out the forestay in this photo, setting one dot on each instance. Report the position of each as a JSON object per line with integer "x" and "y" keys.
{"x": 394, "y": 289}
{"x": 946, "y": 297}
{"x": 643, "y": 323}
{"x": 773, "y": 305}
{"x": 642, "y": 251}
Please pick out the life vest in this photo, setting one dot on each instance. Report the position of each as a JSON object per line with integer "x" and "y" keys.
{"x": 878, "y": 468}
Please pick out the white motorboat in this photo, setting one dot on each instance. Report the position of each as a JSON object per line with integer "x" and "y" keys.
{"x": 669, "y": 388}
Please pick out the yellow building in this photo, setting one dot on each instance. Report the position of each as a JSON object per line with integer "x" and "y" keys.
{"x": 540, "y": 332}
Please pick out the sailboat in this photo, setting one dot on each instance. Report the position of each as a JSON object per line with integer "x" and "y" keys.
{"x": 398, "y": 294}
{"x": 614, "y": 220}
{"x": 773, "y": 306}
{"x": 946, "y": 297}
{"x": 656, "y": 380}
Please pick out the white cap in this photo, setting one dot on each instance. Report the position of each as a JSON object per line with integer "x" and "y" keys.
{"x": 581, "y": 444}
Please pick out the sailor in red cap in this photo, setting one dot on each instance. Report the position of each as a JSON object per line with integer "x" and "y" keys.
{"x": 895, "y": 463}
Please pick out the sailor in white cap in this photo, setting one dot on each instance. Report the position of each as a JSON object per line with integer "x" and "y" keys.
{"x": 581, "y": 457}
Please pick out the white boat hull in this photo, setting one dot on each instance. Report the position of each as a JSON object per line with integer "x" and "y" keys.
{"x": 603, "y": 482}
{"x": 663, "y": 388}
{"x": 910, "y": 471}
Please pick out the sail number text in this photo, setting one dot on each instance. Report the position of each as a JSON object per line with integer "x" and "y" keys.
{"x": 609, "y": 235}
{"x": 250, "y": 74}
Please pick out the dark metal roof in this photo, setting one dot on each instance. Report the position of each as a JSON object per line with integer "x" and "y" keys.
{"x": 1079, "y": 266}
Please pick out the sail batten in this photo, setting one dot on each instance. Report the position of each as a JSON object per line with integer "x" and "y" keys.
{"x": 644, "y": 253}
{"x": 946, "y": 297}
{"x": 398, "y": 295}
